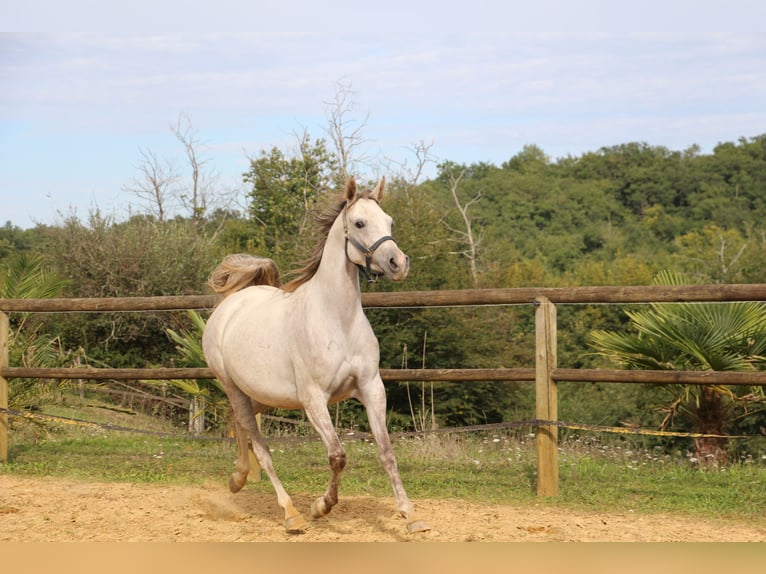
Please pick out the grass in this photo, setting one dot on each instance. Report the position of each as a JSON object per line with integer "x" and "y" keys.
{"x": 609, "y": 475}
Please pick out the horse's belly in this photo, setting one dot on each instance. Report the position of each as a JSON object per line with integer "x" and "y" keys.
{"x": 261, "y": 370}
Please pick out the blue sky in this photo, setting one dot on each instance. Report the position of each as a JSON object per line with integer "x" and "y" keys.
{"x": 477, "y": 81}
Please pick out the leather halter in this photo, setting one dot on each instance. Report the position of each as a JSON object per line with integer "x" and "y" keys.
{"x": 367, "y": 252}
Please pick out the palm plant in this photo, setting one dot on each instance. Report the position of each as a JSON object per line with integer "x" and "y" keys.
{"x": 696, "y": 336}
{"x": 22, "y": 276}
{"x": 206, "y": 392}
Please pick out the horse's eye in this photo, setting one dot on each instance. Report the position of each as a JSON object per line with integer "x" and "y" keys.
{"x": 359, "y": 224}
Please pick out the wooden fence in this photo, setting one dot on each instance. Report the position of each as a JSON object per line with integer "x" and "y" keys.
{"x": 546, "y": 374}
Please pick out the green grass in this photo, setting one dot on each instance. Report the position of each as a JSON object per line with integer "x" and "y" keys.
{"x": 491, "y": 468}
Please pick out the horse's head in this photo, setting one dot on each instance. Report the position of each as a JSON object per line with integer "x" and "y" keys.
{"x": 367, "y": 227}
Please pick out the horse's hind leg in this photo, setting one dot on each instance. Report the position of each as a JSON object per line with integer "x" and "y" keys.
{"x": 239, "y": 476}
{"x": 244, "y": 414}
{"x": 245, "y": 463}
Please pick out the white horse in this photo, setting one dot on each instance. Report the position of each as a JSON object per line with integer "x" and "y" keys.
{"x": 308, "y": 344}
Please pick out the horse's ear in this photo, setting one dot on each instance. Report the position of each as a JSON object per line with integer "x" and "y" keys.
{"x": 350, "y": 189}
{"x": 377, "y": 193}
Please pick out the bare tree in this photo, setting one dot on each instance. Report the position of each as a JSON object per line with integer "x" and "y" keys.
{"x": 164, "y": 188}
{"x": 155, "y": 186}
{"x": 422, "y": 152}
{"x": 467, "y": 235}
{"x": 345, "y": 132}
{"x": 411, "y": 176}
{"x": 199, "y": 196}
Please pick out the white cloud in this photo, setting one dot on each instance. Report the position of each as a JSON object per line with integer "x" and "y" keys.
{"x": 479, "y": 95}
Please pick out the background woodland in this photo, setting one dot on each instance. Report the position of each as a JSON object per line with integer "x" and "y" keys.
{"x": 619, "y": 215}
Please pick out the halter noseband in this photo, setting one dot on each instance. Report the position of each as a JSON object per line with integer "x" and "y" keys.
{"x": 368, "y": 252}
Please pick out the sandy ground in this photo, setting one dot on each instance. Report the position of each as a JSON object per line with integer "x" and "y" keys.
{"x": 47, "y": 510}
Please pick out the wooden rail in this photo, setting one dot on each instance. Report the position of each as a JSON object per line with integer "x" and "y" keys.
{"x": 545, "y": 374}
{"x": 446, "y": 298}
{"x": 392, "y": 375}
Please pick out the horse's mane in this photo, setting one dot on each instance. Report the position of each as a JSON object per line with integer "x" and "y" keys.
{"x": 241, "y": 270}
{"x": 323, "y": 220}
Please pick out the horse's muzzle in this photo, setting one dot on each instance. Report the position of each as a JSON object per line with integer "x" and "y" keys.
{"x": 397, "y": 266}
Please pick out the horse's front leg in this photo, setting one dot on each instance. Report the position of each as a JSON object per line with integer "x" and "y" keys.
{"x": 373, "y": 397}
{"x": 319, "y": 416}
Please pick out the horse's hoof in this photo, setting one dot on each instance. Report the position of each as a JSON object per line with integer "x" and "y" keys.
{"x": 236, "y": 485}
{"x": 418, "y": 526}
{"x": 319, "y": 508}
{"x": 295, "y": 524}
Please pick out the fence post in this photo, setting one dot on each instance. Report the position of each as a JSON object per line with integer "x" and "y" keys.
{"x": 4, "y": 343}
{"x": 546, "y": 402}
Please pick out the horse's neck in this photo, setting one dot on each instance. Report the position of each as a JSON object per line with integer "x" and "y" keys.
{"x": 336, "y": 282}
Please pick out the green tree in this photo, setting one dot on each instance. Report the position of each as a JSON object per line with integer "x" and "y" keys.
{"x": 697, "y": 336}
{"x": 138, "y": 257}
{"x": 284, "y": 191}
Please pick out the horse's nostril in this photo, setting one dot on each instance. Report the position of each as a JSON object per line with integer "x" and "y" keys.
{"x": 393, "y": 264}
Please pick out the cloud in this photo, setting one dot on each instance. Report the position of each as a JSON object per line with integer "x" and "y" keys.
{"x": 478, "y": 95}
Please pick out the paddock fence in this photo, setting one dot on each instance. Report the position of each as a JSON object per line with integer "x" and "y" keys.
{"x": 545, "y": 374}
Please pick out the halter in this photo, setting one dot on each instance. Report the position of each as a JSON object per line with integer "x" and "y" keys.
{"x": 368, "y": 252}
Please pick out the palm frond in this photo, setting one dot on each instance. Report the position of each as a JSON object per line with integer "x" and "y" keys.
{"x": 26, "y": 276}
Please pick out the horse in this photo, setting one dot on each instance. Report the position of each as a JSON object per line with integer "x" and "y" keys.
{"x": 307, "y": 344}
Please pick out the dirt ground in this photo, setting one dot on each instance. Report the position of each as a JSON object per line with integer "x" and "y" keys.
{"x": 47, "y": 510}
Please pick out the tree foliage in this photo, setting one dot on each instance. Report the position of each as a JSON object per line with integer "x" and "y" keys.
{"x": 615, "y": 216}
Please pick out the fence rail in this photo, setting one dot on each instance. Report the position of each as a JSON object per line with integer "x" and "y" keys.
{"x": 445, "y": 298}
{"x": 392, "y": 375}
{"x": 546, "y": 374}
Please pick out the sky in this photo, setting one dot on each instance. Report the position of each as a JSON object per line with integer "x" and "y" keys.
{"x": 86, "y": 87}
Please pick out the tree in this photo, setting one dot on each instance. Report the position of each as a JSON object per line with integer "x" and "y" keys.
{"x": 713, "y": 254}
{"x": 454, "y": 174}
{"x": 138, "y": 257}
{"x": 155, "y": 186}
{"x": 696, "y": 336}
{"x": 163, "y": 188}
{"x": 283, "y": 192}
{"x": 198, "y": 197}
{"x": 345, "y": 133}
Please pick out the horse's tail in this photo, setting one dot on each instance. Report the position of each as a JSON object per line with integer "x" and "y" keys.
{"x": 240, "y": 270}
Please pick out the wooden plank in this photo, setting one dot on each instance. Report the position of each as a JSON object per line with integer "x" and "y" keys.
{"x": 748, "y": 378}
{"x": 159, "y": 373}
{"x": 519, "y": 374}
{"x": 752, "y": 378}
{"x": 598, "y": 294}
{"x": 546, "y": 400}
{"x": 162, "y": 373}
{"x": 121, "y": 304}
{"x": 449, "y": 297}
{"x": 4, "y": 346}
